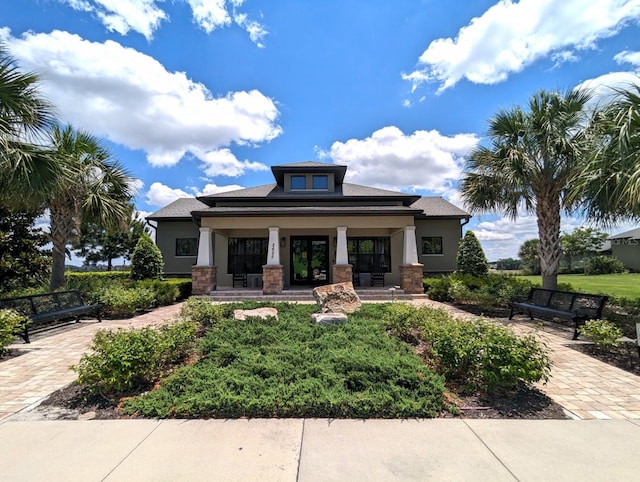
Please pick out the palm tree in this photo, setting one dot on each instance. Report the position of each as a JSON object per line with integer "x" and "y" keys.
{"x": 26, "y": 172}
{"x": 610, "y": 185}
{"x": 529, "y": 165}
{"x": 93, "y": 187}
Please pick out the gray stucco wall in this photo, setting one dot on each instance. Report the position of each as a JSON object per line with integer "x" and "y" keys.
{"x": 451, "y": 231}
{"x": 166, "y": 234}
{"x": 629, "y": 254}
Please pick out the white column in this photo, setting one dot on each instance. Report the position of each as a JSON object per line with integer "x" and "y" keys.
{"x": 410, "y": 252}
{"x": 342, "y": 256}
{"x": 205, "y": 248}
{"x": 273, "y": 255}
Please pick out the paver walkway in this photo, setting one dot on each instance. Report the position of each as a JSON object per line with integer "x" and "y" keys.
{"x": 27, "y": 379}
{"x": 584, "y": 386}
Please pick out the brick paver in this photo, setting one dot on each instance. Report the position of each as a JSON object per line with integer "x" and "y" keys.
{"x": 27, "y": 379}
{"x": 584, "y": 386}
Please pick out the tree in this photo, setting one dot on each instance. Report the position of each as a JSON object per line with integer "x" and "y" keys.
{"x": 581, "y": 242}
{"x": 471, "y": 258}
{"x": 508, "y": 264}
{"x": 24, "y": 263}
{"x": 97, "y": 243}
{"x": 93, "y": 188}
{"x": 529, "y": 253}
{"x": 26, "y": 171}
{"x": 146, "y": 260}
{"x": 533, "y": 157}
{"x": 609, "y": 187}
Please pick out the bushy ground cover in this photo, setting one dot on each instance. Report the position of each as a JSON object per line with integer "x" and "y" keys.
{"x": 290, "y": 367}
{"x": 388, "y": 361}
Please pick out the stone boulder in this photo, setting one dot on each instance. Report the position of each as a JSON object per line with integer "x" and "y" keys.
{"x": 263, "y": 313}
{"x": 329, "y": 318}
{"x": 338, "y": 297}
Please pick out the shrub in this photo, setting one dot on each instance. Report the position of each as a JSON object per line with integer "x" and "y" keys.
{"x": 120, "y": 301}
{"x": 164, "y": 293}
{"x": 124, "y": 360}
{"x": 478, "y": 355}
{"x": 602, "y": 333}
{"x": 202, "y": 312}
{"x": 10, "y": 323}
{"x": 438, "y": 288}
{"x": 146, "y": 260}
{"x": 471, "y": 258}
{"x": 603, "y": 265}
{"x": 92, "y": 285}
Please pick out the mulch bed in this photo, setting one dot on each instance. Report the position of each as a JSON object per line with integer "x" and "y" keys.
{"x": 10, "y": 353}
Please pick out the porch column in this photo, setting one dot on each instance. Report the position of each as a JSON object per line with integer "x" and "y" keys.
{"x": 203, "y": 273}
{"x": 273, "y": 256}
{"x": 273, "y": 271}
{"x": 342, "y": 271}
{"x": 410, "y": 270}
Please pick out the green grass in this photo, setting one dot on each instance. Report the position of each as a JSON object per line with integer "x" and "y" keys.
{"x": 625, "y": 285}
{"x": 291, "y": 367}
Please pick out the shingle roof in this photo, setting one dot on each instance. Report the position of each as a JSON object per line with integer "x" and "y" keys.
{"x": 437, "y": 206}
{"x": 178, "y": 209}
{"x": 631, "y": 234}
{"x": 306, "y": 210}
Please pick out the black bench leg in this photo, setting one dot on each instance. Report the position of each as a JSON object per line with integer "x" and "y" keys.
{"x": 530, "y": 315}
{"x": 576, "y": 332}
{"x": 511, "y": 314}
{"x": 25, "y": 335}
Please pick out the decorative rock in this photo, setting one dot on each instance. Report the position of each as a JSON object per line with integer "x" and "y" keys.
{"x": 263, "y": 313}
{"x": 338, "y": 297}
{"x": 329, "y": 318}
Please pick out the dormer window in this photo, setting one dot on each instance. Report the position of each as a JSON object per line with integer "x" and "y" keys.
{"x": 298, "y": 182}
{"x": 321, "y": 182}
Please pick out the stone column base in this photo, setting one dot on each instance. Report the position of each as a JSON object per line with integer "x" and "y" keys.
{"x": 341, "y": 273}
{"x": 204, "y": 279}
{"x": 411, "y": 278}
{"x": 272, "y": 279}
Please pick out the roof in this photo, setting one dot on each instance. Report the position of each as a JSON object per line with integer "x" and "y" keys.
{"x": 361, "y": 210}
{"x": 180, "y": 209}
{"x": 631, "y": 234}
{"x": 433, "y": 206}
{"x": 307, "y": 167}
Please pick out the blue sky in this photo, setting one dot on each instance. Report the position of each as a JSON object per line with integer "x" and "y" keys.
{"x": 202, "y": 96}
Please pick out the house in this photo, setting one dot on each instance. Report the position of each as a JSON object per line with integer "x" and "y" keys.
{"x": 308, "y": 228}
{"x": 626, "y": 247}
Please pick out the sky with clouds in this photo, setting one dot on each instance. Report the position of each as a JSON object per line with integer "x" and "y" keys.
{"x": 202, "y": 96}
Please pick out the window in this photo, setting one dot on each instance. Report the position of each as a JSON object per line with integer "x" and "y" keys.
{"x": 247, "y": 255}
{"x": 298, "y": 182}
{"x": 186, "y": 247}
{"x": 432, "y": 245}
{"x": 321, "y": 182}
{"x": 369, "y": 255}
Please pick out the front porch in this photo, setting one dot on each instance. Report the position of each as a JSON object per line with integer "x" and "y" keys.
{"x": 233, "y": 258}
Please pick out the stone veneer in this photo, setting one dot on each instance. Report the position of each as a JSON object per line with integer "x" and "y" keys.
{"x": 272, "y": 279}
{"x": 411, "y": 278}
{"x": 342, "y": 273}
{"x": 204, "y": 279}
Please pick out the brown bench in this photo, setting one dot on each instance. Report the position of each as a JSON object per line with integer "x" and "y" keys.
{"x": 45, "y": 309}
{"x": 567, "y": 305}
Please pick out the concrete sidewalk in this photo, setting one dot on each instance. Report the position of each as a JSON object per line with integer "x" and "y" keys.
{"x": 320, "y": 450}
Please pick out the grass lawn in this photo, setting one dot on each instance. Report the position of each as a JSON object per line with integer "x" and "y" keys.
{"x": 290, "y": 367}
{"x": 626, "y": 285}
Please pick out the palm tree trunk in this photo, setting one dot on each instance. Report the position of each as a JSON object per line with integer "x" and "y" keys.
{"x": 548, "y": 213}
{"x": 62, "y": 228}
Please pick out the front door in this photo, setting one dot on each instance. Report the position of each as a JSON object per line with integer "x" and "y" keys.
{"x": 309, "y": 260}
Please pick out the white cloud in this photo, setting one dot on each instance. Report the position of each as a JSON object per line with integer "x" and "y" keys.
{"x": 209, "y": 189}
{"x": 122, "y": 16}
{"x": 145, "y": 16}
{"x": 161, "y": 195}
{"x": 424, "y": 160}
{"x": 131, "y": 99}
{"x": 224, "y": 161}
{"x": 603, "y": 88}
{"x": 509, "y": 36}
{"x": 629, "y": 57}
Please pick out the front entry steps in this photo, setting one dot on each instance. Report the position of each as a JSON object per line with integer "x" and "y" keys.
{"x": 305, "y": 295}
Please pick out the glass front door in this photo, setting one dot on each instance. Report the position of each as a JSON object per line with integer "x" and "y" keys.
{"x": 309, "y": 260}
